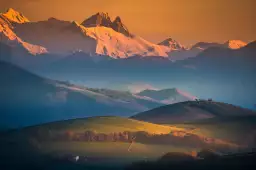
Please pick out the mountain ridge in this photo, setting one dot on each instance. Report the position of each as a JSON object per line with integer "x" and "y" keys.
{"x": 97, "y": 35}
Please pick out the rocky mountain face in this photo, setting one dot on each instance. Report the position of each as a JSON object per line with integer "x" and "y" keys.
{"x": 103, "y": 19}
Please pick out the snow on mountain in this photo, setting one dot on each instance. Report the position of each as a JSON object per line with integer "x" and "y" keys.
{"x": 114, "y": 39}
{"x": 172, "y": 44}
{"x": 64, "y": 37}
{"x": 117, "y": 45}
{"x": 15, "y": 16}
{"x": 232, "y": 44}
{"x": 183, "y": 53}
{"x": 235, "y": 44}
{"x": 8, "y": 36}
{"x": 59, "y": 37}
{"x": 177, "y": 51}
{"x": 96, "y": 35}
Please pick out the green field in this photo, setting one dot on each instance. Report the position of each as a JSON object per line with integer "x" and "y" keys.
{"x": 105, "y": 124}
{"x": 24, "y": 141}
{"x": 240, "y": 129}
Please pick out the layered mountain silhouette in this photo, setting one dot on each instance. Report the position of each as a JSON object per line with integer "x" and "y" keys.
{"x": 196, "y": 49}
{"x": 217, "y": 72}
{"x": 96, "y": 35}
{"x": 65, "y": 50}
{"x": 27, "y": 99}
{"x": 225, "y": 58}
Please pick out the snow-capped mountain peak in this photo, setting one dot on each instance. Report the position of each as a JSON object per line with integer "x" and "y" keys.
{"x": 117, "y": 45}
{"x": 103, "y": 19}
{"x": 104, "y": 15}
{"x": 118, "y": 19}
{"x": 14, "y": 16}
{"x": 235, "y": 44}
{"x": 8, "y": 35}
{"x": 173, "y": 44}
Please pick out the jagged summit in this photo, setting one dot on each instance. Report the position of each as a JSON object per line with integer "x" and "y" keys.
{"x": 8, "y": 35}
{"x": 104, "y": 15}
{"x": 118, "y": 19}
{"x": 98, "y": 19}
{"x": 234, "y": 44}
{"x": 118, "y": 26}
{"x": 103, "y": 19}
{"x": 173, "y": 44}
{"x": 14, "y": 16}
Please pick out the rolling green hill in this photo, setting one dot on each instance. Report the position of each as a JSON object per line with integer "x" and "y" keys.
{"x": 238, "y": 129}
{"x": 191, "y": 111}
{"x": 152, "y": 140}
{"x": 104, "y": 124}
{"x": 25, "y": 141}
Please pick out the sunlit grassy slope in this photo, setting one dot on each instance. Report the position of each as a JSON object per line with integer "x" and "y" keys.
{"x": 238, "y": 129}
{"x": 24, "y": 141}
{"x": 107, "y": 151}
{"x": 106, "y": 124}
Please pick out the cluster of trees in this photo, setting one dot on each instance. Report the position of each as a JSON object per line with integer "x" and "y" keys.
{"x": 90, "y": 136}
{"x": 175, "y": 138}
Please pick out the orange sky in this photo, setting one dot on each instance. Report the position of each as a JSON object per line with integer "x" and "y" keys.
{"x": 187, "y": 21}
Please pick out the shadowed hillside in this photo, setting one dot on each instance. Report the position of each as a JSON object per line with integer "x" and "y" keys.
{"x": 191, "y": 111}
